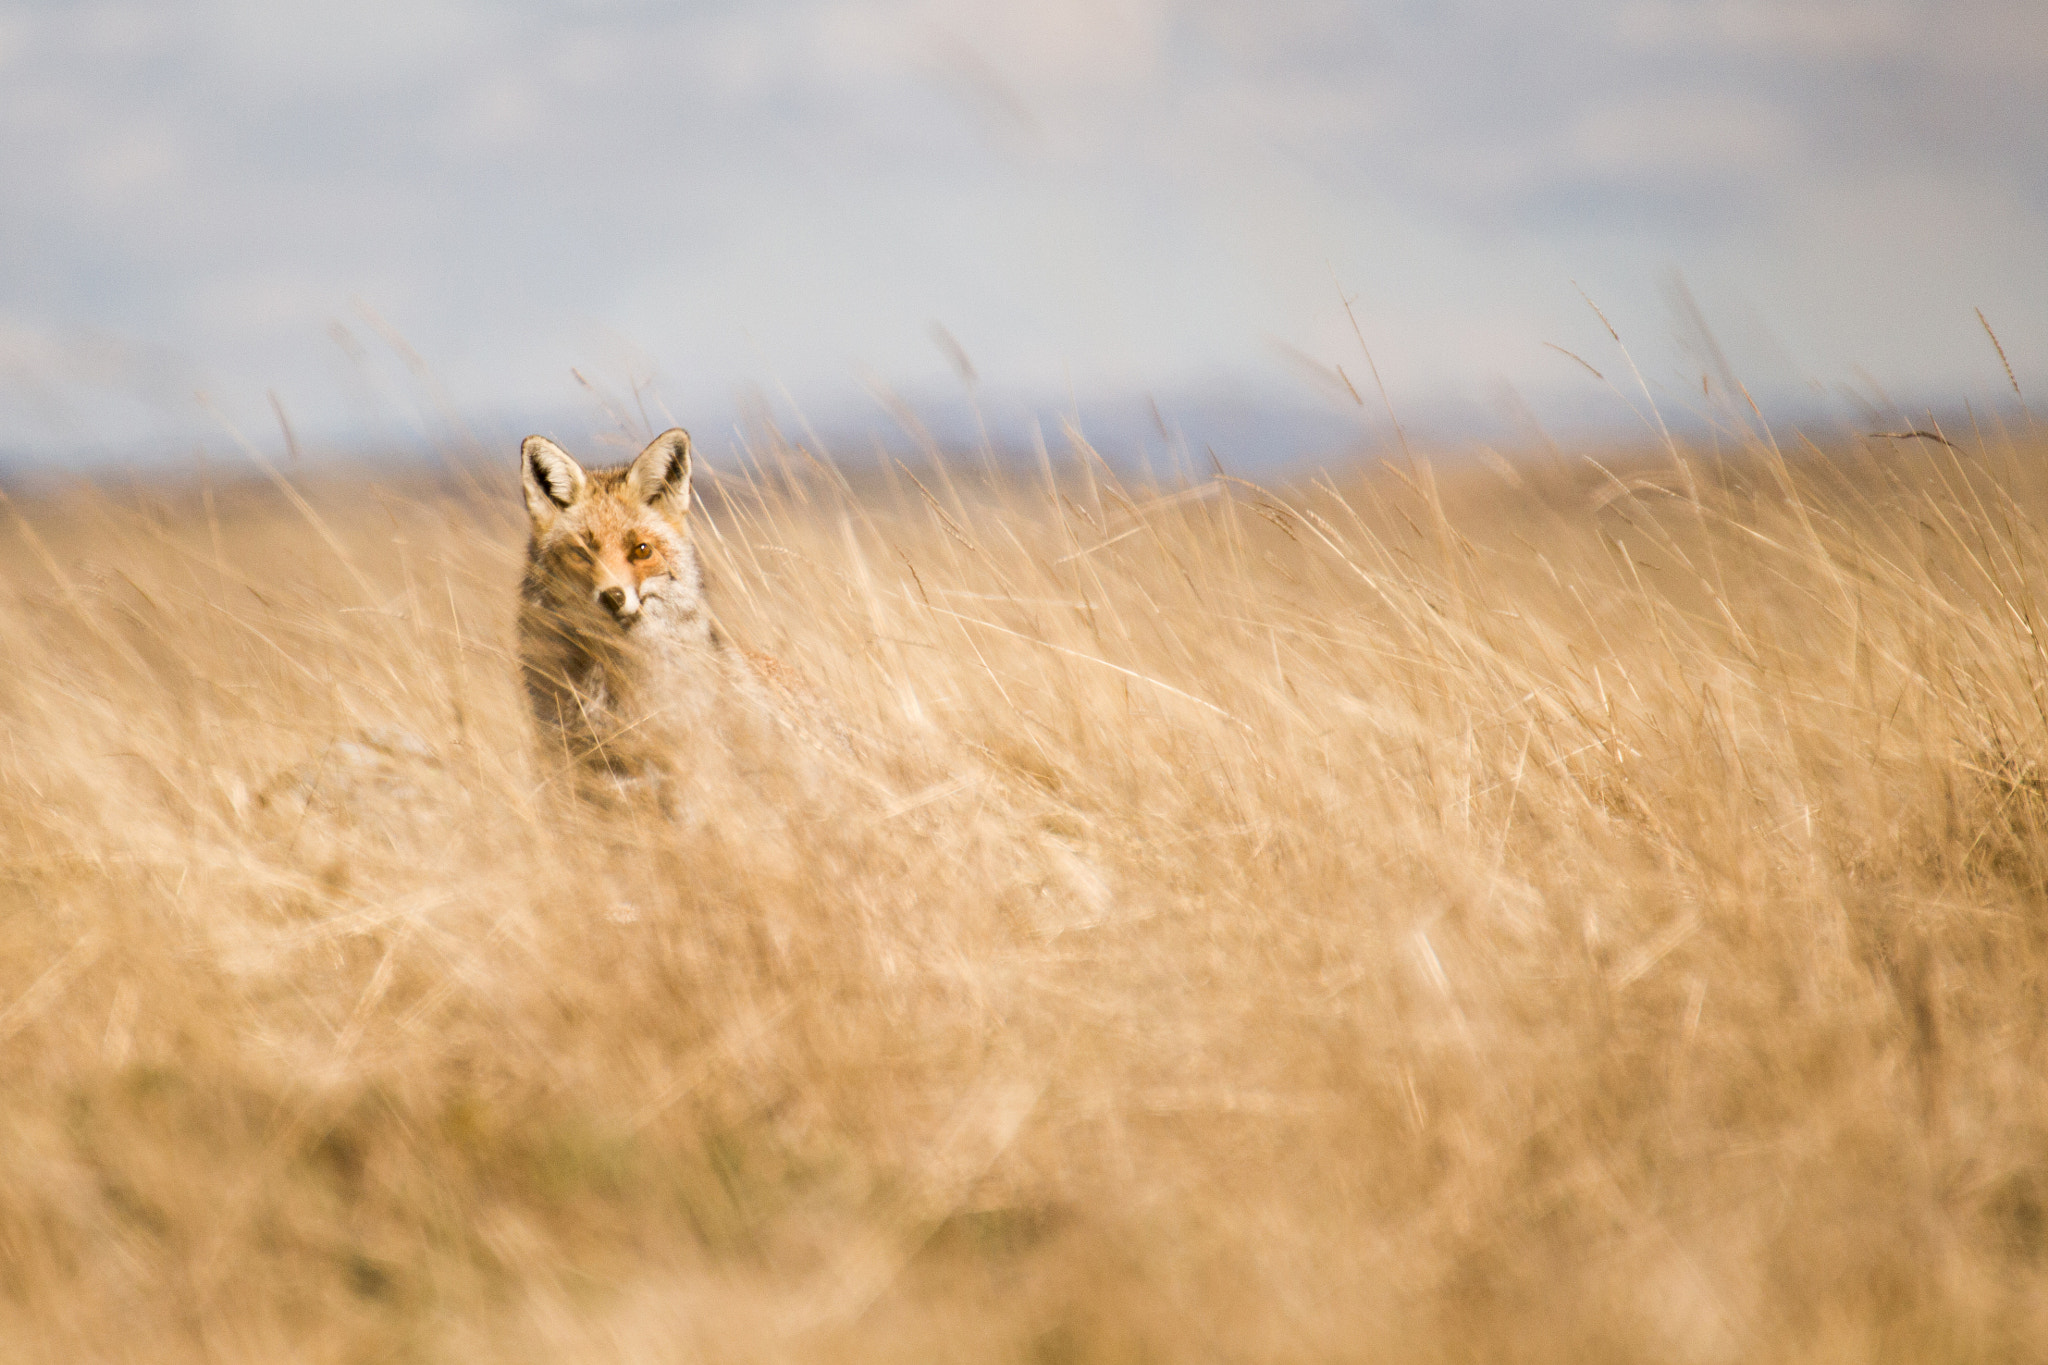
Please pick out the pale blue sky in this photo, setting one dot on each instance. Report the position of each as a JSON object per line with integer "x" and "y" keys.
{"x": 1095, "y": 197}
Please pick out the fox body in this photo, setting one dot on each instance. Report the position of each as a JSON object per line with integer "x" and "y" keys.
{"x": 622, "y": 663}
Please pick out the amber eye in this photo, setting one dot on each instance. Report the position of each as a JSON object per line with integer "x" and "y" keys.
{"x": 641, "y": 551}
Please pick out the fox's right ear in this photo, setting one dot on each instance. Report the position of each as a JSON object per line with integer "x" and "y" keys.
{"x": 551, "y": 480}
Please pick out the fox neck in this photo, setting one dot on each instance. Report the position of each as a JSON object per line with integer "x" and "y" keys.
{"x": 672, "y": 640}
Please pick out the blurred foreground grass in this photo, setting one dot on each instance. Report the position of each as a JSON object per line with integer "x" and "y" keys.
{"x": 1565, "y": 913}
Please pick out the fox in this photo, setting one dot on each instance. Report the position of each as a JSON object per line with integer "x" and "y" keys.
{"x": 631, "y": 680}
{"x": 624, "y": 667}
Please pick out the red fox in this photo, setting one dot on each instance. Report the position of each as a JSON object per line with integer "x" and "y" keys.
{"x": 623, "y": 666}
{"x": 637, "y": 693}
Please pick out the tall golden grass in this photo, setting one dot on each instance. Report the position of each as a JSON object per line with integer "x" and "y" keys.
{"x": 1584, "y": 910}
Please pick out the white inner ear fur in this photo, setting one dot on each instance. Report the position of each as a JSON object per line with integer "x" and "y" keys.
{"x": 660, "y": 475}
{"x": 551, "y": 480}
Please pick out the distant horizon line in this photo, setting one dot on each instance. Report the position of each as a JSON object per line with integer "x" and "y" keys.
{"x": 1258, "y": 432}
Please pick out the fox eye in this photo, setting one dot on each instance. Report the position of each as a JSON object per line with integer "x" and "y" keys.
{"x": 641, "y": 551}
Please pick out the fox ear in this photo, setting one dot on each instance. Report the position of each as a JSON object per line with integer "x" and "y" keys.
{"x": 660, "y": 476}
{"x": 552, "y": 482}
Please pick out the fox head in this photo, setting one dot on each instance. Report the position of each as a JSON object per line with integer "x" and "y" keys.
{"x": 613, "y": 540}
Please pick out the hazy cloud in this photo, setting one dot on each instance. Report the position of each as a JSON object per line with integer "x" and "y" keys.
{"x": 1118, "y": 194}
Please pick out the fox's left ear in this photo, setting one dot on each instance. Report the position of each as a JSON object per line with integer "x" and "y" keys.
{"x": 660, "y": 476}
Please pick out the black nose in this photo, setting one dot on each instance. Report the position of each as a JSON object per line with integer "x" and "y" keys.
{"x": 614, "y": 600}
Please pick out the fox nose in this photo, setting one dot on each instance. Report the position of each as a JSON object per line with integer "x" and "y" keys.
{"x": 618, "y": 602}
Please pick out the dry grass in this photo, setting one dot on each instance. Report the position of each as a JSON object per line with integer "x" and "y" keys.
{"x": 1544, "y": 916}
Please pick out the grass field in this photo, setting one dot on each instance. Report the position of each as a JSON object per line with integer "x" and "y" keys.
{"x": 1571, "y": 912}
